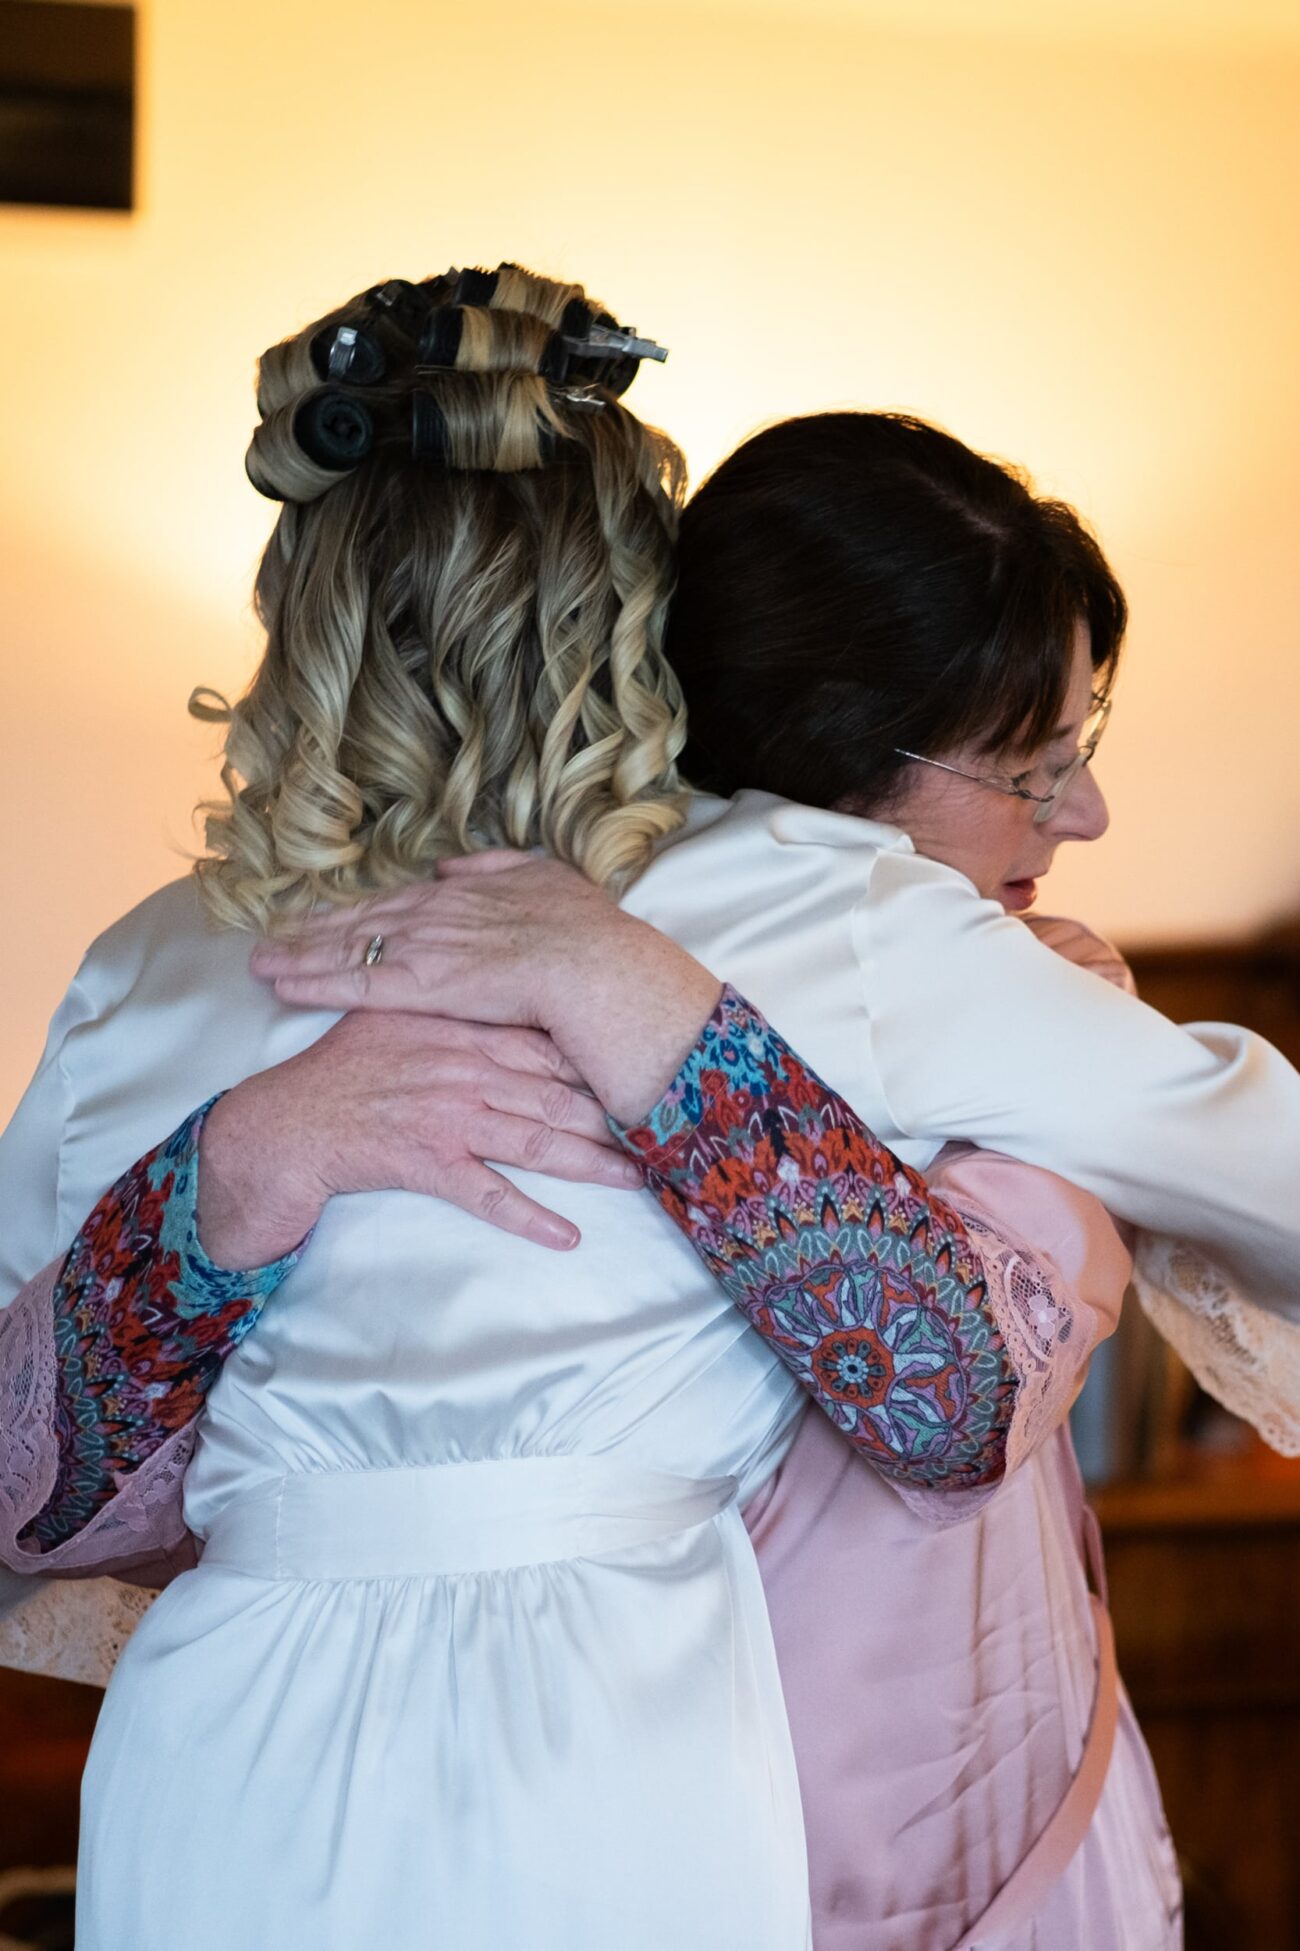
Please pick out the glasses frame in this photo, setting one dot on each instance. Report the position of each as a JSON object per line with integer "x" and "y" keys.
{"x": 1043, "y": 801}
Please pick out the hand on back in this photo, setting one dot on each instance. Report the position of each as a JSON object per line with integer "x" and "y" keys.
{"x": 502, "y": 937}
{"x": 406, "y": 1102}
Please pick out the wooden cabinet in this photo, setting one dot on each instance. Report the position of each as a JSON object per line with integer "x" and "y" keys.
{"x": 1205, "y": 1592}
{"x": 45, "y": 1730}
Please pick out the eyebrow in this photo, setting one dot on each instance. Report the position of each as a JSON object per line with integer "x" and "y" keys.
{"x": 1067, "y": 730}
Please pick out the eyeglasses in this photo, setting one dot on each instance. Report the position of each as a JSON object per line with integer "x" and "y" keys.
{"x": 1062, "y": 778}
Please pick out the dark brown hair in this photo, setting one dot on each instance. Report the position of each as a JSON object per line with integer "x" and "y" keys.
{"x": 852, "y": 582}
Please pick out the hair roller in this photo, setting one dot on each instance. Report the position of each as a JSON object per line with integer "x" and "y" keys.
{"x": 614, "y": 371}
{"x": 403, "y": 304}
{"x": 556, "y": 361}
{"x": 441, "y": 337}
{"x": 348, "y": 352}
{"x": 430, "y": 440}
{"x": 577, "y": 318}
{"x": 297, "y": 453}
{"x": 334, "y": 429}
{"x": 476, "y": 287}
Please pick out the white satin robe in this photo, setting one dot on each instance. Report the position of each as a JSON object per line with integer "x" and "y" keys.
{"x": 478, "y": 1654}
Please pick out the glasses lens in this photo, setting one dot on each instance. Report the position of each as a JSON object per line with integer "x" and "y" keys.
{"x": 1061, "y": 786}
{"x": 1092, "y": 731}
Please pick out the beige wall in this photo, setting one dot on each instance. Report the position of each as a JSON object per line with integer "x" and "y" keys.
{"x": 1077, "y": 252}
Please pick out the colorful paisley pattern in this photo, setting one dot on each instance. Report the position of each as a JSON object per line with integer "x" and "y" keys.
{"x": 143, "y": 1321}
{"x": 863, "y": 1282}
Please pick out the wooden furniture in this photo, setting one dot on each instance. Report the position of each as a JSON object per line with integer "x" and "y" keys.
{"x": 1255, "y": 982}
{"x": 1204, "y": 1567}
{"x": 45, "y": 1730}
{"x": 1204, "y": 1574}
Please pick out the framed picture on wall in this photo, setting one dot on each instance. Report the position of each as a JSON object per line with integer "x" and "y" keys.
{"x": 67, "y": 104}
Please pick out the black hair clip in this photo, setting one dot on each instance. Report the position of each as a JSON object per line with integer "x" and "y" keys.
{"x": 336, "y": 430}
{"x": 429, "y": 439}
{"x": 348, "y": 352}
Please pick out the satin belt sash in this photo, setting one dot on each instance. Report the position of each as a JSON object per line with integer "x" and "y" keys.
{"x": 429, "y": 1519}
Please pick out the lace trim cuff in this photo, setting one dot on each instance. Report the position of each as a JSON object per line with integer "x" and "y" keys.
{"x": 1247, "y": 1357}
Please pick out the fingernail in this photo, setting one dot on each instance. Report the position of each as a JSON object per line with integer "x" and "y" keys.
{"x": 628, "y": 1174}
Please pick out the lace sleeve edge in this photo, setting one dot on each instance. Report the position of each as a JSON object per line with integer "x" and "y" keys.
{"x": 1241, "y": 1353}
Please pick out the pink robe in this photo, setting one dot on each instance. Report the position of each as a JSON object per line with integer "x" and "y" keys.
{"x": 940, "y": 1666}
{"x": 937, "y": 1648}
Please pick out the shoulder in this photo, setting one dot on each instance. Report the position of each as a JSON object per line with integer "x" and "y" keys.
{"x": 164, "y": 950}
{"x": 757, "y": 834}
{"x": 168, "y": 926}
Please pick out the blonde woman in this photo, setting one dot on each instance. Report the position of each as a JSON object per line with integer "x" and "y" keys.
{"x": 477, "y": 1649}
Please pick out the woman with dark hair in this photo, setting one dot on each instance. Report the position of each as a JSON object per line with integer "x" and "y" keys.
{"x": 858, "y": 589}
{"x": 927, "y": 1007}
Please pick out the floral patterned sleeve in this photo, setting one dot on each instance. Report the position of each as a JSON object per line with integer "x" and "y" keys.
{"x": 143, "y": 1321}
{"x": 866, "y": 1284}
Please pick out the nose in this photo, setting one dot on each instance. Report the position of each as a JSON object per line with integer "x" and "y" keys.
{"x": 1083, "y": 813}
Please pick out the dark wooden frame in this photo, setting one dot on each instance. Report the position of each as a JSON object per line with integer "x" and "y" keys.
{"x": 67, "y": 104}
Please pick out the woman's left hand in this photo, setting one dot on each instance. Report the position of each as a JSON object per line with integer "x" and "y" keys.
{"x": 502, "y": 937}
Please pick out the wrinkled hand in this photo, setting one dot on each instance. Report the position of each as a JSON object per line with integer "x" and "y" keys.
{"x": 493, "y": 939}
{"x": 501, "y": 937}
{"x": 411, "y": 1103}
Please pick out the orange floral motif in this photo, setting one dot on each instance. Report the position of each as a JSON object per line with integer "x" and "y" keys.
{"x": 867, "y": 1287}
{"x": 143, "y": 1322}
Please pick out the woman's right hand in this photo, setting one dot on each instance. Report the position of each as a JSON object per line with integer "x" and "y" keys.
{"x": 511, "y": 939}
{"x": 399, "y": 1102}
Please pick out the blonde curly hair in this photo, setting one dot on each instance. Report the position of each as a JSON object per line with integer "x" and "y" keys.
{"x": 464, "y": 629}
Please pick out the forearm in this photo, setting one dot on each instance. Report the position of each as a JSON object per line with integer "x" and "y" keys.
{"x": 627, "y": 1011}
{"x": 256, "y": 1202}
{"x": 865, "y": 1284}
{"x": 142, "y": 1324}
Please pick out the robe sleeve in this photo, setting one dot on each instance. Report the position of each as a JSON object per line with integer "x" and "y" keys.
{"x": 981, "y": 1032}
{"x": 105, "y": 1363}
{"x": 867, "y": 1285}
{"x": 1056, "y": 1271}
{"x": 106, "y": 1355}
{"x": 943, "y": 1326}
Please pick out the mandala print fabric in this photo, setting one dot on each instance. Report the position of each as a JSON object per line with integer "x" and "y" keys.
{"x": 143, "y": 1321}
{"x": 866, "y": 1285}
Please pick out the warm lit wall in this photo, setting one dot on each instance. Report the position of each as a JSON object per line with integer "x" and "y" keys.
{"x": 1077, "y": 252}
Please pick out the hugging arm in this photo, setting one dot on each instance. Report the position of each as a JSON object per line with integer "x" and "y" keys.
{"x": 105, "y": 1361}
{"x": 940, "y": 1344}
{"x": 937, "y": 1343}
{"x": 869, "y": 1288}
{"x": 106, "y": 1358}
{"x": 866, "y": 1284}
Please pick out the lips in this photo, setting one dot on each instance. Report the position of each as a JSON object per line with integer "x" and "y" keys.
{"x": 1019, "y": 895}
